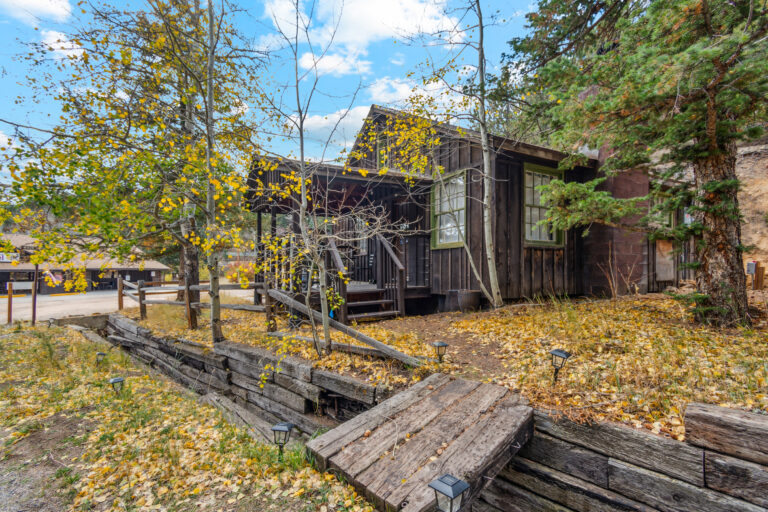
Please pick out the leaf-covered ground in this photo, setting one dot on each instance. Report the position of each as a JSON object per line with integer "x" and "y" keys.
{"x": 153, "y": 447}
{"x": 250, "y": 328}
{"x": 636, "y": 360}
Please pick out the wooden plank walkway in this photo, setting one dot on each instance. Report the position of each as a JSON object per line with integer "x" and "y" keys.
{"x": 440, "y": 425}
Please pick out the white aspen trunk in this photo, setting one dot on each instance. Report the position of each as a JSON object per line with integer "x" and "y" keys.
{"x": 303, "y": 204}
{"x": 488, "y": 171}
{"x": 213, "y": 260}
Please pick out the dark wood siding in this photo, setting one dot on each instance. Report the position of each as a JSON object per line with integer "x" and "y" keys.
{"x": 523, "y": 270}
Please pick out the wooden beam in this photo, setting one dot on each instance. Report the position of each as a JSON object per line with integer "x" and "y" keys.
{"x": 341, "y": 347}
{"x": 731, "y": 431}
{"x": 386, "y": 349}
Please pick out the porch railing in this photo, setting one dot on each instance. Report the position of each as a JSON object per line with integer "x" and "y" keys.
{"x": 337, "y": 272}
{"x": 391, "y": 274}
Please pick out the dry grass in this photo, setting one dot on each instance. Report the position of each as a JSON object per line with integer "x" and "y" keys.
{"x": 636, "y": 360}
{"x": 250, "y": 328}
{"x": 154, "y": 446}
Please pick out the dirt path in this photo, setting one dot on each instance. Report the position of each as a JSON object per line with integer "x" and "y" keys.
{"x": 35, "y": 471}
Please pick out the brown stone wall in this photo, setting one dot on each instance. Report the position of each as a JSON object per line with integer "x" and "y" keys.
{"x": 752, "y": 170}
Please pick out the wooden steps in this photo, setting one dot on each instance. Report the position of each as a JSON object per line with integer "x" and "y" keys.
{"x": 368, "y": 305}
{"x": 364, "y": 303}
{"x": 440, "y": 425}
{"x": 373, "y": 315}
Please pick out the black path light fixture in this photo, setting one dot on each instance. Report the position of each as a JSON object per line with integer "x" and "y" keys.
{"x": 440, "y": 348}
{"x": 559, "y": 357}
{"x": 449, "y": 493}
{"x": 117, "y": 384}
{"x": 282, "y": 434}
{"x": 100, "y": 357}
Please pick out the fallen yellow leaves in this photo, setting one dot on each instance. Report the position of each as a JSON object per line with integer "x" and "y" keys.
{"x": 636, "y": 360}
{"x": 250, "y": 328}
{"x": 154, "y": 446}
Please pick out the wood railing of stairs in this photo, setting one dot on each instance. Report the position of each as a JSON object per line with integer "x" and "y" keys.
{"x": 390, "y": 275}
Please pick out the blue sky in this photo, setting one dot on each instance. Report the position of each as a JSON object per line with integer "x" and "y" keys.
{"x": 370, "y": 53}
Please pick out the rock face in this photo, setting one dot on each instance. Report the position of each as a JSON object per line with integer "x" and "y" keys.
{"x": 752, "y": 170}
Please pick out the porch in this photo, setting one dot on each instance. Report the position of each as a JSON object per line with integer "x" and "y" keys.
{"x": 374, "y": 241}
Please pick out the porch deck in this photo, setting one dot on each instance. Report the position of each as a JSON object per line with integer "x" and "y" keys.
{"x": 440, "y": 425}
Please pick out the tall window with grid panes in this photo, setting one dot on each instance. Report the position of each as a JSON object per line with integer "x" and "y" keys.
{"x": 535, "y": 209}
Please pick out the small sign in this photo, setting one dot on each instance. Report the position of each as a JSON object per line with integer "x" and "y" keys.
{"x": 751, "y": 268}
{"x": 9, "y": 257}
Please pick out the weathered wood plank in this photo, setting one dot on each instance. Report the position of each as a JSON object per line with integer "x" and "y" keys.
{"x": 344, "y": 385}
{"x": 482, "y": 506}
{"x": 235, "y": 307}
{"x": 568, "y": 458}
{"x": 508, "y": 497}
{"x": 382, "y": 347}
{"x": 338, "y": 347}
{"x": 745, "y": 480}
{"x": 388, "y": 472}
{"x": 330, "y": 443}
{"x": 257, "y": 411}
{"x": 668, "y": 494}
{"x": 272, "y": 391}
{"x": 730, "y": 431}
{"x": 254, "y": 372}
{"x": 122, "y": 323}
{"x": 564, "y": 489}
{"x": 305, "y": 389}
{"x": 307, "y": 423}
{"x": 256, "y": 427}
{"x": 476, "y": 456}
{"x": 634, "y": 446}
{"x": 208, "y": 381}
{"x": 356, "y": 457}
{"x": 261, "y": 358}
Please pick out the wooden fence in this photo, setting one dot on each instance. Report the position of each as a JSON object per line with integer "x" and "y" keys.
{"x": 139, "y": 291}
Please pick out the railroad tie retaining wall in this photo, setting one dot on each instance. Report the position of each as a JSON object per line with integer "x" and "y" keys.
{"x": 723, "y": 466}
{"x": 565, "y": 467}
{"x": 310, "y": 398}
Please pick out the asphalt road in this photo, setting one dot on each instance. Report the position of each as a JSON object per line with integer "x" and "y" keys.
{"x": 58, "y": 306}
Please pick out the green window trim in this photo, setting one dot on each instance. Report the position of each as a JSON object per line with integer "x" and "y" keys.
{"x": 434, "y": 214}
{"x": 530, "y": 204}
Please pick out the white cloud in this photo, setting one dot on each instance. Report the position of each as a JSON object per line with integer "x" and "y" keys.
{"x": 32, "y": 11}
{"x": 6, "y": 141}
{"x": 394, "y": 91}
{"x": 398, "y": 59}
{"x": 60, "y": 45}
{"x": 351, "y": 26}
{"x": 388, "y": 90}
{"x": 340, "y": 127}
{"x": 336, "y": 64}
{"x": 362, "y": 22}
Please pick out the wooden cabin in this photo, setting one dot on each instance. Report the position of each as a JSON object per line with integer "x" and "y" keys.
{"x": 421, "y": 264}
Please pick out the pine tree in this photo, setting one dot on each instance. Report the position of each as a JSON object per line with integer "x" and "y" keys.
{"x": 671, "y": 85}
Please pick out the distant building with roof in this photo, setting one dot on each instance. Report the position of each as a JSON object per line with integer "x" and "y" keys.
{"x": 100, "y": 273}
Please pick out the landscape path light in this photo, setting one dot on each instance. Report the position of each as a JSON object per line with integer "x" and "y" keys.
{"x": 559, "y": 357}
{"x": 449, "y": 493}
{"x": 440, "y": 348}
{"x": 282, "y": 434}
{"x": 100, "y": 356}
{"x": 117, "y": 384}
